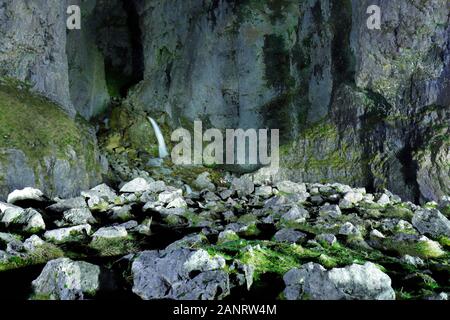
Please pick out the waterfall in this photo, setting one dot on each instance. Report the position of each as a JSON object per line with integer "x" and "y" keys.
{"x": 161, "y": 143}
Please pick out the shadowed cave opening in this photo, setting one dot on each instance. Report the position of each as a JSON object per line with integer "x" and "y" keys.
{"x": 122, "y": 50}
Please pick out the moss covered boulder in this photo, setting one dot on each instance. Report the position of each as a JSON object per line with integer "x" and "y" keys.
{"x": 41, "y": 146}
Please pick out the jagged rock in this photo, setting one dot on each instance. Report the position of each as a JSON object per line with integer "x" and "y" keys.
{"x": 204, "y": 183}
{"x": 121, "y": 213}
{"x": 296, "y": 214}
{"x": 414, "y": 261}
{"x": 291, "y": 187}
{"x": 7, "y": 237}
{"x": 384, "y": 200}
{"x": 64, "y": 279}
{"x": 29, "y": 219}
{"x": 100, "y": 192}
{"x": 32, "y": 243}
{"x": 439, "y": 297}
{"x": 243, "y": 186}
{"x": 289, "y": 235}
{"x": 130, "y": 225}
{"x": 350, "y": 199}
{"x": 145, "y": 227}
{"x": 110, "y": 233}
{"x": 376, "y": 234}
{"x": 264, "y": 191}
{"x": 75, "y": 217}
{"x": 177, "y": 203}
{"x": 157, "y": 186}
{"x": 431, "y": 222}
{"x": 188, "y": 242}
{"x": 225, "y": 194}
{"x": 34, "y": 48}
{"x": 26, "y": 194}
{"x": 138, "y": 185}
{"x": 330, "y": 211}
{"x": 348, "y": 229}
{"x": 356, "y": 282}
{"x": 68, "y": 234}
{"x": 14, "y": 248}
{"x": 68, "y": 204}
{"x": 226, "y": 236}
{"x": 328, "y": 238}
{"x": 169, "y": 196}
{"x": 168, "y": 275}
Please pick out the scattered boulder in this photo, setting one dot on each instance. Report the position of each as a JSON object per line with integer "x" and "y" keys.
{"x": 244, "y": 186}
{"x": 289, "y": 235}
{"x": 355, "y": 282}
{"x": 326, "y": 238}
{"x": 204, "y": 183}
{"x": 27, "y": 194}
{"x": 64, "y": 279}
{"x": 330, "y": 211}
{"x": 72, "y": 234}
{"x": 32, "y": 243}
{"x": 169, "y": 196}
{"x": 348, "y": 229}
{"x": 79, "y": 216}
{"x": 431, "y": 222}
{"x": 138, "y": 185}
{"x": 264, "y": 191}
{"x": 227, "y": 236}
{"x": 295, "y": 214}
{"x": 291, "y": 187}
{"x": 110, "y": 233}
{"x": 180, "y": 274}
{"x": 68, "y": 204}
{"x": 28, "y": 219}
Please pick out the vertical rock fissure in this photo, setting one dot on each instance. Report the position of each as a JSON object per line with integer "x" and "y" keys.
{"x": 133, "y": 21}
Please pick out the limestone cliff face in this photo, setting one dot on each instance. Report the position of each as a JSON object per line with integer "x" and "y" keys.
{"x": 358, "y": 106}
{"x": 355, "y": 105}
{"x": 41, "y": 145}
{"x": 32, "y": 47}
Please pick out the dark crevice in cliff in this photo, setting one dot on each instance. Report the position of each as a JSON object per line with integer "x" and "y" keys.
{"x": 137, "y": 48}
{"x": 122, "y": 47}
{"x": 343, "y": 60}
{"x": 409, "y": 170}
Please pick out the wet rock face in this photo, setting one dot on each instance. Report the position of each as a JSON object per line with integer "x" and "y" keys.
{"x": 222, "y": 60}
{"x": 342, "y": 99}
{"x": 33, "y": 47}
{"x": 358, "y": 106}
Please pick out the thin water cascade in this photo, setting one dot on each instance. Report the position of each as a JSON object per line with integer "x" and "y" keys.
{"x": 159, "y": 136}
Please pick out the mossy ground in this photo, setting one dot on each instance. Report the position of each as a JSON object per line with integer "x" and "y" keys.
{"x": 115, "y": 247}
{"x": 41, "y": 255}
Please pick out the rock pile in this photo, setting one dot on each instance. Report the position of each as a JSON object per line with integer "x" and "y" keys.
{"x": 316, "y": 241}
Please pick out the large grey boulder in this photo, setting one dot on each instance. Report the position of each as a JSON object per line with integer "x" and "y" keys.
{"x": 203, "y": 182}
{"x": 79, "y": 216}
{"x": 431, "y": 222}
{"x": 72, "y": 234}
{"x": 64, "y": 279}
{"x": 244, "y": 186}
{"x": 28, "y": 219}
{"x": 291, "y": 187}
{"x": 179, "y": 274}
{"x": 67, "y": 204}
{"x": 26, "y": 194}
{"x": 355, "y": 282}
{"x": 137, "y": 185}
{"x": 115, "y": 232}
